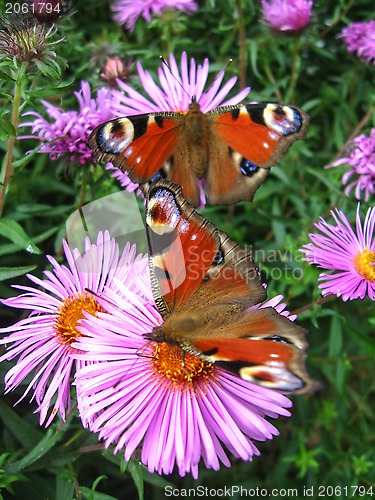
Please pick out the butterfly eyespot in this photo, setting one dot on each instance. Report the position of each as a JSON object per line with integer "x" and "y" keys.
{"x": 248, "y": 168}
{"x": 283, "y": 120}
{"x": 219, "y": 258}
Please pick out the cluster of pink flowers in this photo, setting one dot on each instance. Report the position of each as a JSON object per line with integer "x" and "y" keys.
{"x": 89, "y": 319}
{"x": 360, "y": 38}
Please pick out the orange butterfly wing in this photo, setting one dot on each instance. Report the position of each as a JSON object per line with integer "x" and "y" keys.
{"x": 246, "y": 141}
{"x": 139, "y": 144}
{"x": 204, "y": 285}
{"x": 263, "y": 347}
{"x": 182, "y": 246}
{"x": 187, "y": 257}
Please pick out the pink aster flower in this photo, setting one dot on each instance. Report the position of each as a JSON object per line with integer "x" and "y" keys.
{"x": 138, "y": 395}
{"x": 349, "y": 254}
{"x": 42, "y": 341}
{"x": 177, "y": 87}
{"x": 360, "y": 38}
{"x": 67, "y": 134}
{"x": 287, "y": 15}
{"x": 128, "y": 11}
{"x": 361, "y": 157}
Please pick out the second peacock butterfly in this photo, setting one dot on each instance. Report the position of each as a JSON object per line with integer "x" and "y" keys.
{"x": 208, "y": 291}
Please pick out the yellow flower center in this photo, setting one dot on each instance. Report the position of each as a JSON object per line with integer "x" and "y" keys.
{"x": 71, "y": 312}
{"x": 364, "y": 262}
{"x": 180, "y": 367}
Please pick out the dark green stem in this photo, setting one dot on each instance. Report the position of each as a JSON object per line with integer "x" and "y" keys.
{"x": 242, "y": 44}
{"x": 9, "y": 160}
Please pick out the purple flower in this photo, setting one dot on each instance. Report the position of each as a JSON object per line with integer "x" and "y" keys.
{"x": 287, "y": 15}
{"x": 177, "y": 87}
{"x": 43, "y": 341}
{"x": 24, "y": 40}
{"x": 350, "y": 255}
{"x": 67, "y": 135}
{"x": 361, "y": 157}
{"x": 128, "y": 11}
{"x": 360, "y": 38}
{"x": 138, "y": 395}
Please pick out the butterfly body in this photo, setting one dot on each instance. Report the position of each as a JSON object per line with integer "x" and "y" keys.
{"x": 208, "y": 292}
{"x": 229, "y": 149}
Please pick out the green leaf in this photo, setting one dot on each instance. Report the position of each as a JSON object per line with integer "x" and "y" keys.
{"x": 13, "y": 231}
{"x": 64, "y": 489}
{"x": 5, "y": 76}
{"x": 27, "y": 158}
{"x": 88, "y": 494}
{"x": 48, "y": 91}
{"x": 136, "y": 473}
{"x": 26, "y": 434}
{"x": 7, "y": 127}
{"x": 51, "y": 437}
{"x": 335, "y": 337}
{"x": 7, "y": 273}
{"x": 10, "y": 248}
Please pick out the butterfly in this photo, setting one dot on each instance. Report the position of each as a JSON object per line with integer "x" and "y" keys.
{"x": 229, "y": 149}
{"x": 207, "y": 289}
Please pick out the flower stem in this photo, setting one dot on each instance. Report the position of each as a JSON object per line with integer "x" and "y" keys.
{"x": 295, "y": 72}
{"x": 9, "y": 161}
{"x": 242, "y": 44}
{"x": 272, "y": 79}
{"x": 310, "y": 306}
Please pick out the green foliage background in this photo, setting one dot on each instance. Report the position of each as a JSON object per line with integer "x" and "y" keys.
{"x": 330, "y": 439}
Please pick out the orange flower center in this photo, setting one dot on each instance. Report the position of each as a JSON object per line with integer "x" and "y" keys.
{"x": 179, "y": 366}
{"x": 71, "y": 312}
{"x": 364, "y": 262}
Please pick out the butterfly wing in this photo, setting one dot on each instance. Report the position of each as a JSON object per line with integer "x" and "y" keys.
{"x": 247, "y": 140}
{"x": 260, "y": 346}
{"x": 207, "y": 288}
{"x": 139, "y": 144}
{"x": 189, "y": 256}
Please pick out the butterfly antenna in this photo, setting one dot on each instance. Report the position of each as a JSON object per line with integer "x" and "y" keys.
{"x": 218, "y": 75}
{"x": 140, "y": 352}
{"x": 165, "y": 62}
{"x": 99, "y": 296}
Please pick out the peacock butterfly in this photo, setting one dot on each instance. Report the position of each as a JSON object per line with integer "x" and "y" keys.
{"x": 230, "y": 149}
{"x": 207, "y": 290}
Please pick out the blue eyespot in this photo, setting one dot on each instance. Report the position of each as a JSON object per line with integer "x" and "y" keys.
{"x": 248, "y": 168}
